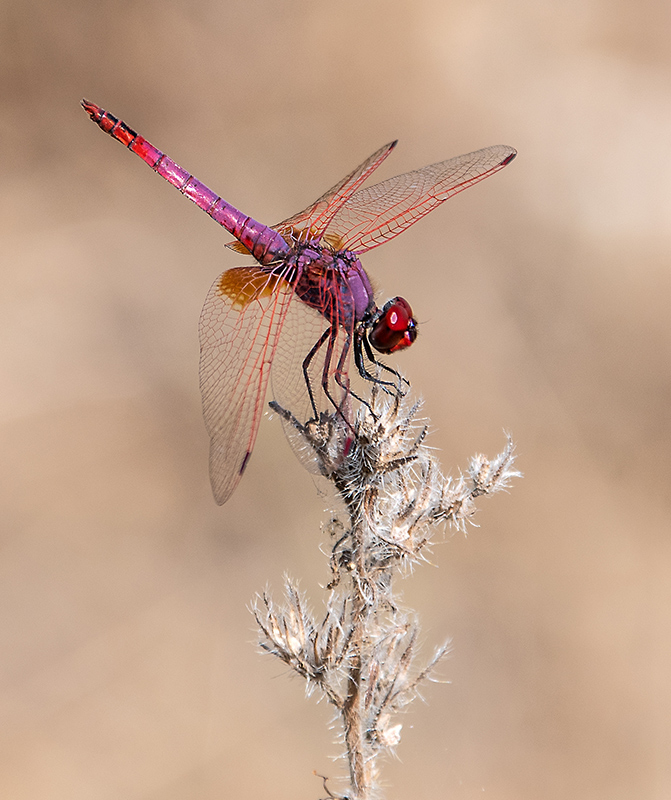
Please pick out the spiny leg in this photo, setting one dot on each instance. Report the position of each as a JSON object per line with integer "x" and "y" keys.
{"x": 339, "y": 376}
{"x": 362, "y": 344}
{"x": 386, "y": 367}
{"x": 306, "y": 365}
{"x": 330, "y": 334}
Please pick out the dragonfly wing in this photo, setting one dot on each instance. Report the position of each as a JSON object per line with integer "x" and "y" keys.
{"x": 312, "y": 221}
{"x": 239, "y": 329}
{"x": 375, "y": 214}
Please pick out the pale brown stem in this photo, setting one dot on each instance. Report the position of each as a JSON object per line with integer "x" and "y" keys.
{"x": 354, "y": 735}
{"x": 359, "y": 752}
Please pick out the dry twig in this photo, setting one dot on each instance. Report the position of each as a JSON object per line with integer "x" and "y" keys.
{"x": 361, "y": 654}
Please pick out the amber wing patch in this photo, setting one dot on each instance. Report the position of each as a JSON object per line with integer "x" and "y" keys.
{"x": 293, "y": 234}
{"x": 243, "y": 285}
{"x": 239, "y": 247}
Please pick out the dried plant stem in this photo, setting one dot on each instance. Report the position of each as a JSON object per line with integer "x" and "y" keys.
{"x": 360, "y": 755}
{"x": 352, "y": 722}
{"x": 359, "y": 760}
{"x": 360, "y": 657}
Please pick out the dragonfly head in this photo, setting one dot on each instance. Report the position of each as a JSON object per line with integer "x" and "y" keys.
{"x": 393, "y": 327}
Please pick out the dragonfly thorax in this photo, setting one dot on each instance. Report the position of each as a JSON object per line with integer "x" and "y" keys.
{"x": 334, "y": 283}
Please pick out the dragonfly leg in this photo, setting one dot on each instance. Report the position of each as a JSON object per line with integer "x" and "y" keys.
{"x": 330, "y": 335}
{"x": 338, "y": 375}
{"x": 306, "y": 366}
{"x": 361, "y": 346}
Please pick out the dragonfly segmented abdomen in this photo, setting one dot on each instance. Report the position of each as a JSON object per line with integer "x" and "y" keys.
{"x": 264, "y": 243}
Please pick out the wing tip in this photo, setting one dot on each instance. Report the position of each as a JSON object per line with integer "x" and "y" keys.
{"x": 223, "y": 489}
{"x": 222, "y": 493}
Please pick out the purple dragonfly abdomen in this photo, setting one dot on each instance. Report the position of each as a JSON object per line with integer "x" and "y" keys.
{"x": 264, "y": 243}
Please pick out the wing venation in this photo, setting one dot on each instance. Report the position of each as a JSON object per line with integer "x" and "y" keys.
{"x": 239, "y": 329}
{"x": 375, "y": 214}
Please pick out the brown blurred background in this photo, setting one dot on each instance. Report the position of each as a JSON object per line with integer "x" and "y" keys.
{"x": 127, "y": 664}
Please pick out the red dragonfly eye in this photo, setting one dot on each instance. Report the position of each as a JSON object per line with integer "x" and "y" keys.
{"x": 394, "y": 328}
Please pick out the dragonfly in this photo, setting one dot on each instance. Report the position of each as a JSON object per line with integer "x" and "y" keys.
{"x": 307, "y": 306}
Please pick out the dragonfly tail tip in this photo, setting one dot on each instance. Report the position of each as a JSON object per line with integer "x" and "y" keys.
{"x": 91, "y": 108}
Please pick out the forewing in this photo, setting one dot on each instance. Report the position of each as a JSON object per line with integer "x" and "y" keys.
{"x": 239, "y": 329}
{"x": 312, "y": 221}
{"x": 375, "y": 214}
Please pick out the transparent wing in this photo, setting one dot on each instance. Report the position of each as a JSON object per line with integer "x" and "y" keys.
{"x": 375, "y": 214}
{"x": 312, "y": 221}
{"x": 239, "y": 329}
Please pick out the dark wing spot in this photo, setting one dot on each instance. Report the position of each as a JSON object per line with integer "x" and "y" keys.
{"x": 245, "y": 461}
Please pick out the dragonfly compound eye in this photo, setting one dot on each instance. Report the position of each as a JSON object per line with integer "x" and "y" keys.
{"x": 394, "y": 327}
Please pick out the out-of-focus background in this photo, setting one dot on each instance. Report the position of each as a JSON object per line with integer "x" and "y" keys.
{"x": 127, "y": 664}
